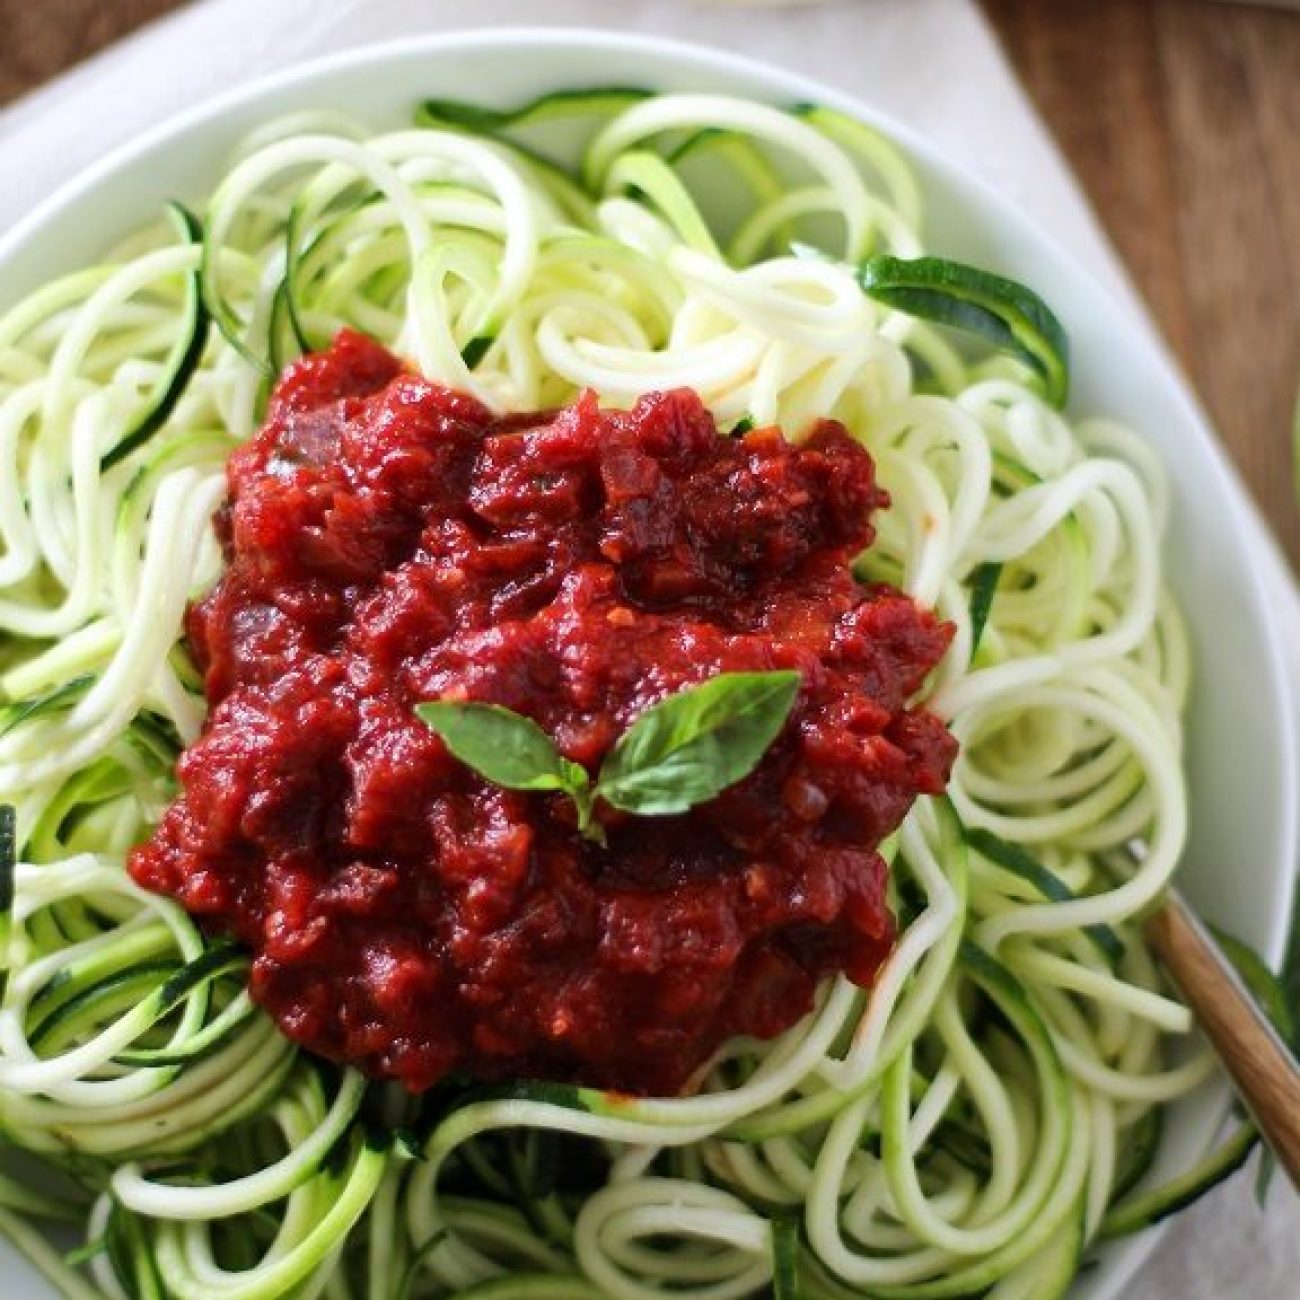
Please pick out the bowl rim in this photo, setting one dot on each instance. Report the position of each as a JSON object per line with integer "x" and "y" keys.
{"x": 1152, "y": 354}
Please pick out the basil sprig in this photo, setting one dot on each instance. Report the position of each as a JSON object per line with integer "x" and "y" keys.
{"x": 681, "y": 752}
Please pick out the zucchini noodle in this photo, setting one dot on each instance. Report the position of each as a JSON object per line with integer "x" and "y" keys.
{"x": 970, "y": 1125}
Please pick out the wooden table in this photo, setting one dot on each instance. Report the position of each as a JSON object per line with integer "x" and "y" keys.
{"x": 1180, "y": 116}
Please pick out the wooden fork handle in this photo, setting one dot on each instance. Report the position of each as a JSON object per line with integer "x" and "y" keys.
{"x": 1262, "y": 1068}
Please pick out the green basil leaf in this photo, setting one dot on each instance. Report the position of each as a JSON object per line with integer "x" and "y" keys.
{"x": 501, "y": 745}
{"x": 1007, "y": 314}
{"x": 695, "y": 744}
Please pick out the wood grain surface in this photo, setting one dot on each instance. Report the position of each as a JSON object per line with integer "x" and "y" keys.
{"x": 39, "y": 38}
{"x": 1181, "y": 118}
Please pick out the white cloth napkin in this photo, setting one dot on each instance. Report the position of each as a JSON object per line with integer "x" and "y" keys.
{"x": 931, "y": 63}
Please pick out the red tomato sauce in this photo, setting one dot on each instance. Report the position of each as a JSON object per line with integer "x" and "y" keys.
{"x": 389, "y": 541}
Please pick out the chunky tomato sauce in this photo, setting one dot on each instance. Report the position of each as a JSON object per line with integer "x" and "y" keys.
{"x": 389, "y": 541}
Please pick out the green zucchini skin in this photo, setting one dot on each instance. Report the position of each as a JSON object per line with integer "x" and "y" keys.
{"x": 180, "y": 366}
{"x": 1005, "y": 313}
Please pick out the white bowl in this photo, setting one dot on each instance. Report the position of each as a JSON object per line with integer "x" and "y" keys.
{"x": 1242, "y": 748}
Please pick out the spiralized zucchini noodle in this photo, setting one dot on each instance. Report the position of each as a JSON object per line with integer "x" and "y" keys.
{"x": 972, "y": 1124}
